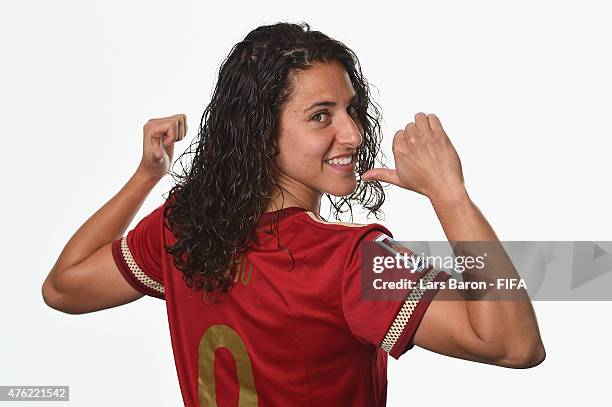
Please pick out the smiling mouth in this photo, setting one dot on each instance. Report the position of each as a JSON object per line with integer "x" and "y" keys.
{"x": 341, "y": 162}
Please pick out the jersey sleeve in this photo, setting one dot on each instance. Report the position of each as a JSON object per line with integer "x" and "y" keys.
{"x": 138, "y": 255}
{"x": 389, "y": 323}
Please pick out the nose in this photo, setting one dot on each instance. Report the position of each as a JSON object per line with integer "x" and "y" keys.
{"x": 349, "y": 133}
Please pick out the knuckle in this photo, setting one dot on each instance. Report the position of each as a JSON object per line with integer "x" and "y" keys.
{"x": 399, "y": 136}
{"x": 150, "y": 123}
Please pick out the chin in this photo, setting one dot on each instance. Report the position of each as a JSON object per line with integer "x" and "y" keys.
{"x": 342, "y": 189}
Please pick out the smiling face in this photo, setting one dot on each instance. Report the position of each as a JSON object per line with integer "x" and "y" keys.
{"x": 319, "y": 133}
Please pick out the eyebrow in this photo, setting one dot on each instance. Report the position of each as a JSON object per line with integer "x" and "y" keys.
{"x": 327, "y": 103}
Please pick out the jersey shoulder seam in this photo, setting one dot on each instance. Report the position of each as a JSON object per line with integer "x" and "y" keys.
{"x": 312, "y": 219}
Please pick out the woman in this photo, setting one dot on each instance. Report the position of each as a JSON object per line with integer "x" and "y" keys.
{"x": 264, "y": 297}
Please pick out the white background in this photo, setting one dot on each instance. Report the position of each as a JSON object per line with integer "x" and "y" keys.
{"x": 522, "y": 88}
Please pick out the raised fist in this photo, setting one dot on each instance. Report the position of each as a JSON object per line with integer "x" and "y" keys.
{"x": 158, "y": 143}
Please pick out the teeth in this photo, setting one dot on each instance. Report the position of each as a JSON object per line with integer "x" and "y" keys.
{"x": 340, "y": 161}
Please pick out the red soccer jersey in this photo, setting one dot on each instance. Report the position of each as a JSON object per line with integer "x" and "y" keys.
{"x": 291, "y": 332}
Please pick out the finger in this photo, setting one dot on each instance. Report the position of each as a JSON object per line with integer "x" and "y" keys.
{"x": 411, "y": 131}
{"x": 157, "y": 148}
{"x": 178, "y": 131}
{"x": 434, "y": 123}
{"x": 172, "y": 132}
{"x": 381, "y": 174}
{"x": 182, "y": 126}
{"x": 397, "y": 139}
{"x": 422, "y": 124}
{"x": 178, "y": 127}
{"x": 167, "y": 131}
{"x": 175, "y": 122}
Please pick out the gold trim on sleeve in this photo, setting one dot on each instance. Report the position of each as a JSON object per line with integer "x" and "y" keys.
{"x": 136, "y": 271}
{"x": 406, "y": 311}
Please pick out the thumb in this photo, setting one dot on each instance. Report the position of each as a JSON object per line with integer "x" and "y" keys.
{"x": 158, "y": 151}
{"x": 381, "y": 174}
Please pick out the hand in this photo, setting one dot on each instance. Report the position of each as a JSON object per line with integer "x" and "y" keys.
{"x": 158, "y": 144}
{"x": 426, "y": 160}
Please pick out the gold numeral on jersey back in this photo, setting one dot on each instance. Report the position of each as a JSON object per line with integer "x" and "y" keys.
{"x": 222, "y": 336}
{"x": 244, "y": 270}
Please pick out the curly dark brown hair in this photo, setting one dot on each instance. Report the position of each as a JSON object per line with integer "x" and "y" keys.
{"x": 218, "y": 199}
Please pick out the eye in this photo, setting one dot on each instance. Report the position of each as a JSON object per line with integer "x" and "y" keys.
{"x": 316, "y": 116}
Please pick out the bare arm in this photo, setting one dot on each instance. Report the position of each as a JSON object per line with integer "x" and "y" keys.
{"x": 85, "y": 278}
{"x": 503, "y": 333}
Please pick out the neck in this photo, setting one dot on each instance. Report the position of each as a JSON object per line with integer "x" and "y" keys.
{"x": 283, "y": 196}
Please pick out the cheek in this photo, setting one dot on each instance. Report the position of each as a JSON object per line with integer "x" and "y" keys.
{"x": 302, "y": 155}
{"x": 314, "y": 151}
